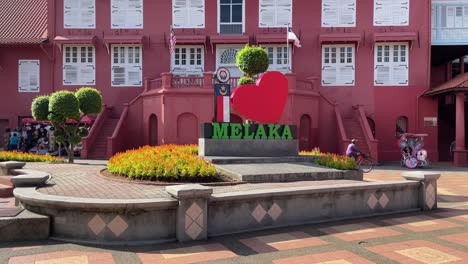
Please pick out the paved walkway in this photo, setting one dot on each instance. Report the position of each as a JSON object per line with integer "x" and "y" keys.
{"x": 437, "y": 237}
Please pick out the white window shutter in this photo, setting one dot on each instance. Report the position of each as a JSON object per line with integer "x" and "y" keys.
{"x": 283, "y": 13}
{"x": 267, "y": 13}
{"x": 403, "y": 7}
{"x": 382, "y": 75}
{"x": 119, "y": 77}
{"x": 345, "y": 75}
{"x": 71, "y": 13}
{"x": 87, "y": 74}
{"x": 28, "y": 80}
{"x": 70, "y": 74}
{"x": 391, "y": 12}
{"x": 180, "y": 14}
{"x": 400, "y": 75}
{"x": 347, "y": 12}
{"x": 134, "y": 75}
{"x": 88, "y": 13}
{"x": 330, "y": 13}
{"x": 329, "y": 75}
{"x": 197, "y": 13}
{"x": 134, "y": 17}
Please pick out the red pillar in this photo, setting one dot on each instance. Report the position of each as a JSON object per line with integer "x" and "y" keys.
{"x": 460, "y": 154}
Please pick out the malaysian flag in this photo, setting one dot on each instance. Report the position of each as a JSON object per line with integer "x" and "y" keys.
{"x": 173, "y": 41}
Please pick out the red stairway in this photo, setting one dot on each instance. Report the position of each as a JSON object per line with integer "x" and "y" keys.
{"x": 353, "y": 130}
{"x": 99, "y": 149}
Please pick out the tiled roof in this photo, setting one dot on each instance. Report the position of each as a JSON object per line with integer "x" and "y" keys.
{"x": 457, "y": 84}
{"x": 23, "y": 22}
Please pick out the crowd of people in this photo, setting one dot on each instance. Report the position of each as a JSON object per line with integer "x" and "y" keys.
{"x": 33, "y": 138}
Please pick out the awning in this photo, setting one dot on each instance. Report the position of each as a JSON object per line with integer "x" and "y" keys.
{"x": 85, "y": 120}
{"x": 272, "y": 38}
{"x": 108, "y": 40}
{"x": 60, "y": 40}
{"x": 191, "y": 39}
{"x": 340, "y": 38}
{"x": 217, "y": 39}
{"x": 396, "y": 37}
{"x": 457, "y": 84}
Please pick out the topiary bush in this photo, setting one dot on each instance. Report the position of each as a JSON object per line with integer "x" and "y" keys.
{"x": 90, "y": 100}
{"x": 63, "y": 105}
{"x": 252, "y": 60}
{"x": 245, "y": 80}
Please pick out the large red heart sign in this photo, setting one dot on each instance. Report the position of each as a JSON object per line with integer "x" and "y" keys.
{"x": 263, "y": 102}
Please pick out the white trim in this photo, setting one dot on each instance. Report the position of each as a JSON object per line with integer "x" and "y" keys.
{"x": 126, "y": 64}
{"x": 81, "y": 24}
{"x": 391, "y": 63}
{"x": 38, "y": 76}
{"x": 78, "y": 64}
{"x": 339, "y": 7}
{"x": 337, "y": 65}
{"x": 226, "y": 109}
{"x": 219, "y": 16}
{"x": 126, "y": 26}
{"x": 276, "y": 16}
{"x": 190, "y": 69}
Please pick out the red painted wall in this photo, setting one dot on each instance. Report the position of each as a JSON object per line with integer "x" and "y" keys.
{"x": 383, "y": 104}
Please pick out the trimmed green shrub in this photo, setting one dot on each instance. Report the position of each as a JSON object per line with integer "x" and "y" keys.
{"x": 245, "y": 80}
{"x": 90, "y": 100}
{"x": 64, "y": 105}
{"x": 40, "y": 107}
{"x": 252, "y": 60}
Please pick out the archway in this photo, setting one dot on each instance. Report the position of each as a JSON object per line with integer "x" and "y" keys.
{"x": 153, "y": 130}
{"x": 187, "y": 129}
{"x": 305, "y": 133}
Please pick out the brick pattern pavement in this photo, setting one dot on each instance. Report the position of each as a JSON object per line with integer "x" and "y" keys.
{"x": 425, "y": 237}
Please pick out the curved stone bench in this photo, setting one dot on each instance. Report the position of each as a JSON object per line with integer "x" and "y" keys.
{"x": 7, "y": 166}
{"x": 29, "y": 178}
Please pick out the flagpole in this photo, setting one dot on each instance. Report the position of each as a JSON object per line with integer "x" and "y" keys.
{"x": 287, "y": 45}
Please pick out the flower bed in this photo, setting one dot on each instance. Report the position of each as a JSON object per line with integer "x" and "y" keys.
{"x": 168, "y": 163}
{"x": 330, "y": 160}
{"x": 27, "y": 157}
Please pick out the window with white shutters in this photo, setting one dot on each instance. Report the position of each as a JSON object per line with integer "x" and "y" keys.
{"x": 127, "y": 66}
{"x": 338, "y": 65}
{"x": 28, "y": 76}
{"x": 275, "y": 13}
{"x": 188, "y": 61}
{"x": 279, "y": 58}
{"x": 188, "y": 13}
{"x": 79, "y": 65}
{"x": 226, "y": 57}
{"x": 79, "y": 14}
{"x": 391, "y": 12}
{"x": 391, "y": 64}
{"x": 127, "y": 14}
{"x": 338, "y": 13}
{"x": 453, "y": 16}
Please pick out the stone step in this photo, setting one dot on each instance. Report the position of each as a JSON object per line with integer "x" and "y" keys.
{"x": 6, "y": 180}
{"x": 26, "y": 226}
{"x": 6, "y": 191}
{"x": 284, "y": 172}
{"x": 250, "y": 160}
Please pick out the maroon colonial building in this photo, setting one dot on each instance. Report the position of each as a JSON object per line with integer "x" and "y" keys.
{"x": 362, "y": 72}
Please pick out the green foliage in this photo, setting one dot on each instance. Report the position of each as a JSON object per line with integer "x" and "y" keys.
{"x": 40, "y": 107}
{"x": 252, "y": 60}
{"x": 27, "y": 157}
{"x": 83, "y": 132}
{"x": 57, "y": 120}
{"x": 63, "y": 105}
{"x": 90, "y": 100}
{"x": 245, "y": 80}
{"x": 336, "y": 162}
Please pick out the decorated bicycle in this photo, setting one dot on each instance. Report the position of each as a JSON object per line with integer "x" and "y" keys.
{"x": 413, "y": 154}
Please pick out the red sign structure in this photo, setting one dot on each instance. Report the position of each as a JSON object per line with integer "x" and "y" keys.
{"x": 264, "y": 101}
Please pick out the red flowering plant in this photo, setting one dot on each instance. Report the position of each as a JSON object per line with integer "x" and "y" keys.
{"x": 167, "y": 162}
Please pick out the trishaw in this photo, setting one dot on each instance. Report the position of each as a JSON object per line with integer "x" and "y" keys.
{"x": 412, "y": 153}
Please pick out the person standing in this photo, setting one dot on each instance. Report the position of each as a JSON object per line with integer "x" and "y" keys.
{"x": 14, "y": 141}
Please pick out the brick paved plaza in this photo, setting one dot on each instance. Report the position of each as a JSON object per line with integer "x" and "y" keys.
{"x": 440, "y": 236}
